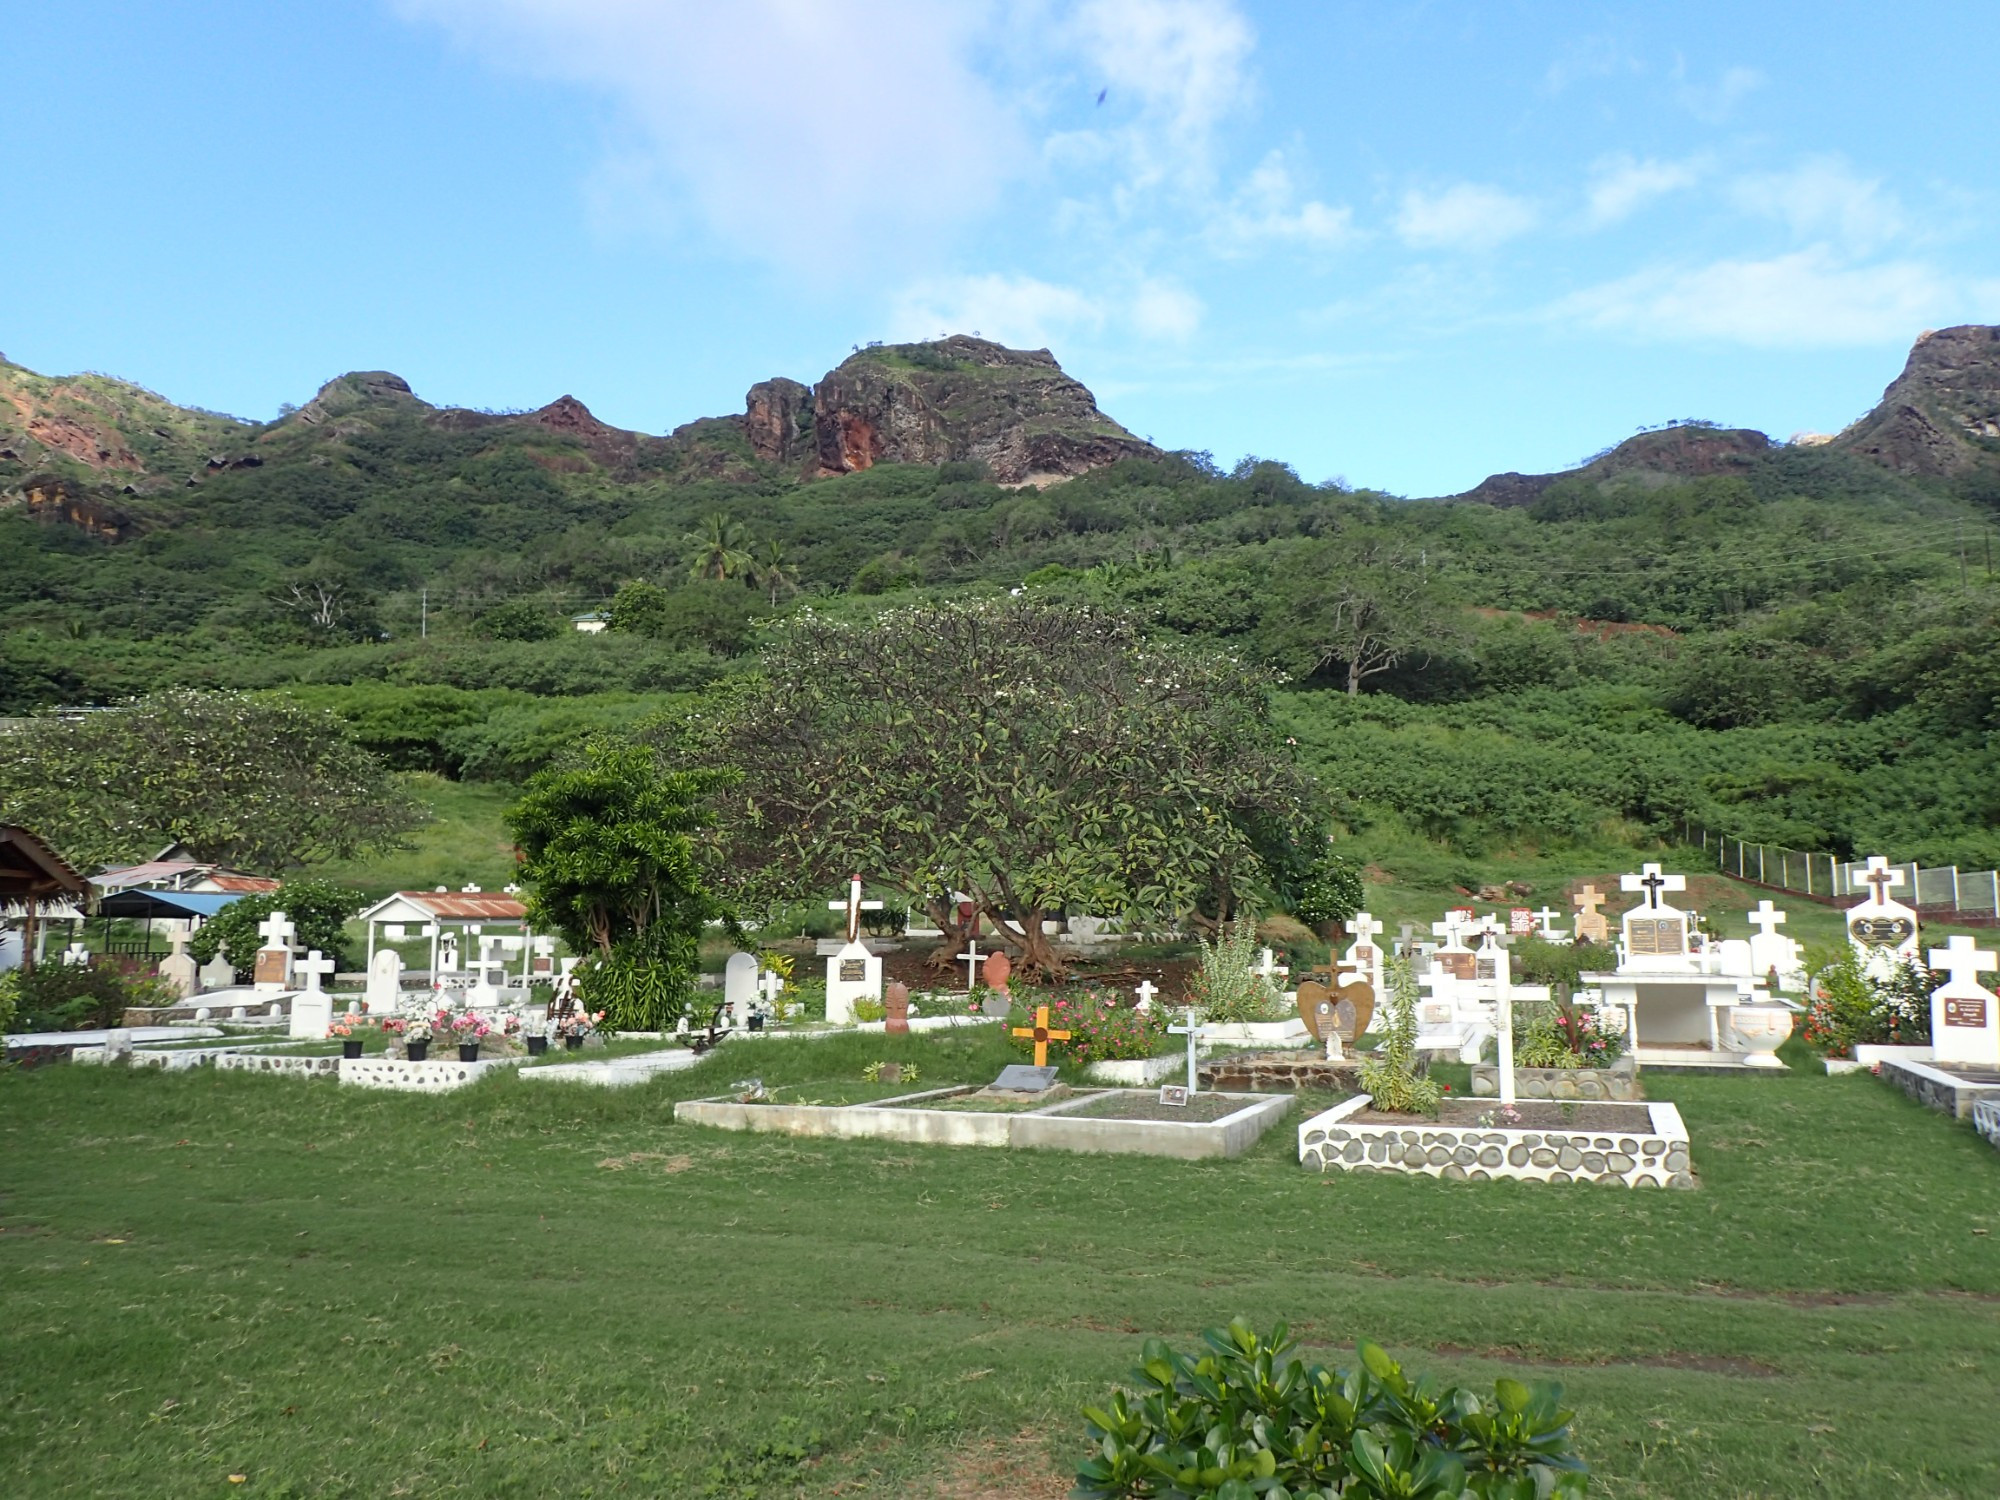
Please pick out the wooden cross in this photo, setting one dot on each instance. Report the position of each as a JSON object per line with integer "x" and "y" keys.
{"x": 854, "y": 906}
{"x": 1652, "y": 882}
{"x": 1766, "y": 919}
{"x": 277, "y": 930}
{"x": 1147, "y": 989}
{"x": 1042, "y": 1034}
{"x": 1883, "y": 876}
{"x": 970, "y": 958}
{"x": 312, "y": 966}
{"x": 1964, "y": 961}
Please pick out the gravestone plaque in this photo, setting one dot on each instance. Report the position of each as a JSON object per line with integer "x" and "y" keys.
{"x": 1316, "y": 1008}
{"x": 853, "y": 971}
{"x": 1174, "y": 1094}
{"x": 1023, "y": 1078}
{"x": 1458, "y": 965}
{"x": 1656, "y": 935}
{"x": 1353, "y": 1009}
{"x": 1965, "y": 1010}
{"x": 1882, "y": 932}
{"x": 274, "y": 966}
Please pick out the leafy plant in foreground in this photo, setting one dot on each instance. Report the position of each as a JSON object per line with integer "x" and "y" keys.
{"x": 1237, "y": 1421}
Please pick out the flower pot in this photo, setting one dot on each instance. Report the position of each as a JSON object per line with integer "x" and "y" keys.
{"x": 537, "y": 1045}
{"x": 417, "y": 1051}
{"x": 351, "y": 1047}
{"x": 468, "y": 1052}
{"x": 574, "y": 1043}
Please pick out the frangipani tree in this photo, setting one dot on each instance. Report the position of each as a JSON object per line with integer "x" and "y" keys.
{"x": 1037, "y": 757}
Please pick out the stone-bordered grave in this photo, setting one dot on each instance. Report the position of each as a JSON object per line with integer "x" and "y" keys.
{"x": 1623, "y": 1145}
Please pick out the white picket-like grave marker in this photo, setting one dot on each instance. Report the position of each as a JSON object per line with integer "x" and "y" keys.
{"x": 1269, "y": 969}
{"x": 970, "y": 958}
{"x": 1191, "y": 1031}
{"x": 313, "y": 966}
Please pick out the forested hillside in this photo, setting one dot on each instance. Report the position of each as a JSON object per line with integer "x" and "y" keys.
{"x": 1794, "y": 643}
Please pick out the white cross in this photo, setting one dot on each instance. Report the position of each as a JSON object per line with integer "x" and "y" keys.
{"x": 544, "y": 947}
{"x": 512, "y": 890}
{"x": 1964, "y": 961}
{"x": 1268, "y": 967}
{"x": 1547, "y": 918}
{"x": 1146, "y": 990}
{"x": 1766, "y": 919}
{"x": 770, "y": 985}
{"x": 1884, "y": 877}
{"x": 75, "y": 954}
{"x": 1190, "y": 1031}
{"x": 1653, "y": 883}
{"x": 312, "y": 966}
{"x": 468, "y": 890}
{"x": 1491, "y": 928}
{"x": 854, "y": 906}
{"x": 1454, "y": 926}
{"x": 970, "y": 958}
{"x": 177, "y": 942}
{"x": 277, "y": 930}
{"x": 1363, "y": 928}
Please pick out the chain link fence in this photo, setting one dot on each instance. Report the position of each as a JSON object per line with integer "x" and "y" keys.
{"x": 1973, "y": 895}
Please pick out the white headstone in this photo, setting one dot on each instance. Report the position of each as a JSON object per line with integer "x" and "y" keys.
{"x": 851, "y": 974}
{"x": 770, "y": 989}
{"x": 1656, "y": 935}
{"x": 385, "y": 982}
{"x": 1882, "y": 930}
{"x": 1771, "y": 950}
{"x": 218, "y": 973}
{"x": 1965, "y": 1020}
{"x": 1364, "y": 954}
{"x": 1146, "y": 990}
{"x": 739, "y": 987}
{"x": 178, "y": 969}
{"x": 312, "y": 1010}
{"x": 76, "y": 954}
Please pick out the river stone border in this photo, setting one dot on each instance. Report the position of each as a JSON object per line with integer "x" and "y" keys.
{"x": 432, "y": 1076}
{"x": 1618, "y": 1083}
{"x": 1986, "y": 1120}
{"x": 1476, "y": 1153}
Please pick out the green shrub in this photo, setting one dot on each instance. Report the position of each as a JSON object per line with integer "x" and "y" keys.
{"x": 1235, "y": 1422}
{"x": 1391, "y": 1078}
{"x": 1565, "y": 1034}
{"x": 10, "y": 999}
{"x": 1331, "y": 893}
{"x": 1850, "y": 1007}
{"x": 1224, "y": 989}
{"x": 318, "y": 910}
{"x": 71, "y": 997}
{"x": 1104, "y": 1026}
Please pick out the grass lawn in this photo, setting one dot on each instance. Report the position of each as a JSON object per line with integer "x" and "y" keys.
{"x": 525, "y": 1290}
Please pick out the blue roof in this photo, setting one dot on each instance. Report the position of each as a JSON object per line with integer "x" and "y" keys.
{"x": 140, "y": 902}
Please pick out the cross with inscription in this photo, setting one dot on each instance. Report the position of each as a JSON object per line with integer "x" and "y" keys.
{"x": 1363, "y": 929}
{"x": 277, "y": 930}
{"x": 1652, "y": 882}
{"x": 854, "y": 906}
{"x": 1883, "y": 876}
{"x": 1042, "y": 1034}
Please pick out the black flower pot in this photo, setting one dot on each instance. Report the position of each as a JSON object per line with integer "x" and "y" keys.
{"x": 351, "y": 1047}
{"x": 574, "y": 1043}
{"x": 537, "y": 1045}
{"x": 468, "y": 1052}
{"x": 417, "y": 1051}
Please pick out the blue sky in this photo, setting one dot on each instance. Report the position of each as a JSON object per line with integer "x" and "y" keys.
{"x": 1407, "y": 244}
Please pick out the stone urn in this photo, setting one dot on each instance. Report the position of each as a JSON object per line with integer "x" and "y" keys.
{"x": 1757, "y": 1031}
{"x": 896, "y": 1008}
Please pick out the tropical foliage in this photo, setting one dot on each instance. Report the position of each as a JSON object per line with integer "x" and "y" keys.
{"x": 1391, "y": 1077}
{"x": 318, "y": 911}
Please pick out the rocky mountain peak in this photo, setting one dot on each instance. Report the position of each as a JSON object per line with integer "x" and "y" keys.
{"x": 1941, "y": 416}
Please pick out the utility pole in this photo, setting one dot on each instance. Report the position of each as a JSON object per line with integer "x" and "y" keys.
{"x": 1961, "y": 554}
{"x": 424, "y": 615}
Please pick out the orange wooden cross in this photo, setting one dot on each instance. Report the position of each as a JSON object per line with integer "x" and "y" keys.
{"x": 1042, "y": 1035}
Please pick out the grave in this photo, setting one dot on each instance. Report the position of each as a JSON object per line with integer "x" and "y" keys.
{"x": 1590, "y": 926}
{"x": 999, "y": 970}
{"x": 385, "y": 982}
{"x": 178, "y": 970}
{"x": 272, "y": 974}
{"x": 1882, "y": 929}
{"x": 739, "y": 988}
{"x": 853, "y": 973}
{"x": 1683, "y": 1009}
{"x": 217, "y": 974}
{"x": 1960, "y": 1070}
{"x": 312, "y": 1008}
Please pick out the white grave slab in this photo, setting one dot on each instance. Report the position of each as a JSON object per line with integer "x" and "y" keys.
{"x": 385, "y": 982}
{"x": 1965, "y": 1019}
{"x": 739, "y": 987}
{"x": 312, "y": 1007}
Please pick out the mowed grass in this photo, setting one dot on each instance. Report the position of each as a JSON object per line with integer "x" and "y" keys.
{"x": 524, "y": 1289}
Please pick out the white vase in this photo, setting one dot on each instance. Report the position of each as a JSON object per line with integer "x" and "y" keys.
{"x": 1757, "y": 1031}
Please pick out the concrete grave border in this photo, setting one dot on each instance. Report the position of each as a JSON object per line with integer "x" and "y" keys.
{"x": 1933, "y": 1087}
{"x": 891, "y": 1119}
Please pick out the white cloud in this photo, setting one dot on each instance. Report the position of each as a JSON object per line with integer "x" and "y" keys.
{"x": 1467, "y": 216}
{"x": 1713, "y": 103}
{"x": 1808, "y": 299}
{"x": 1020, "y": 311}
{"x": 790, "y": 128}
{"x": 1621, "y": 185}
{"x": 1166, "y": 310}
{"x": 1824, "y": 198}
{"x": 1180, "y": 67}
{"x": 1268, "y": 209}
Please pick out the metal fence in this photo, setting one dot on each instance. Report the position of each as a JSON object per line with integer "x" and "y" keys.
{"x": 1941, "y": 888}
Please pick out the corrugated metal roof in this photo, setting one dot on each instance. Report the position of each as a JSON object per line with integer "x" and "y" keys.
{"x": 476, "y": 906}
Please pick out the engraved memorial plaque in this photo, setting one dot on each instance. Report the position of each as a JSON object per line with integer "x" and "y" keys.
{"x": 1460, "y": 965}
{"x": 853, "y": 971}
{"x": 1353, "y": 1009}
{"x": 1656, "y": 935}
{"x": 1316, "y": 1008}
{"x": 1965, "y": 1010}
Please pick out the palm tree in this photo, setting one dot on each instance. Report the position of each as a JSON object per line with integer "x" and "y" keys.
{"x": 718, "y": 549}
{"x": 773, "y": 571}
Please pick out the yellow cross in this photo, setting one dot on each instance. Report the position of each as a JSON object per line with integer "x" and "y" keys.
{"x": 1042, "y": 1035}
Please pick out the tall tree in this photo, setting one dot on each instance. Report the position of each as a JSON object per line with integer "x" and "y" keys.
{"x": 720, "y": 550}
{"x": 1363, "y": 605}
{"x": 613, "y": 854}
{"x": 260, "y": 783}
{"x": 1036, "y": 757}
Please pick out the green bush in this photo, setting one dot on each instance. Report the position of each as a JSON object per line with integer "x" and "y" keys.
{"x": 1332, "y": 892}
{"x": 71, "y": 997}
{"x": 1104, "y": 1025}
{"x": 1392, "y": 1079}
{"x": 1237, "y": 1422}
{"x": 10, "y": 999}
{"x": 1224, "y": 989}
{"x": 318, "y": 910}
